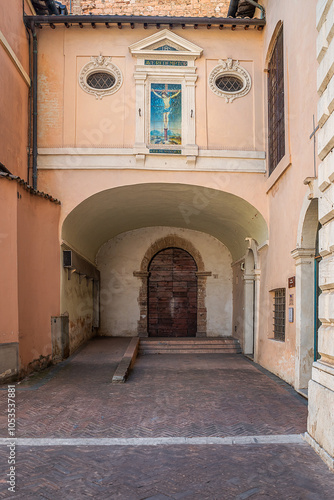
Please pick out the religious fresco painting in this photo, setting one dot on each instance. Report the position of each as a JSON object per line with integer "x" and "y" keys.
{"x": 166, "y": 114}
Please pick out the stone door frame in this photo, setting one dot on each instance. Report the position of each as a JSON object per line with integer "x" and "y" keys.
{"x": 172, "y": 241}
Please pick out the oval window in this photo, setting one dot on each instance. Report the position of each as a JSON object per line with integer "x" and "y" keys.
{"x": 101, "y": 80}
{"x": 229, "y": 83}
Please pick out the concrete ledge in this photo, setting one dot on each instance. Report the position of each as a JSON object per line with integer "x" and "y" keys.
{"x": 128, "y": 360}
{"x": 329, "y": 461}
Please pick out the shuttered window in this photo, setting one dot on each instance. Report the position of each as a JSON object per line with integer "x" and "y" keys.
{"x": 276, "y": 125}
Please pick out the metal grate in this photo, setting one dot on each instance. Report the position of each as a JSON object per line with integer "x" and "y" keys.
{"x": 229, "y": 83}
{"x": 101, "y": 80}
{"x": 279, "y": 314}
{"x": 276, "y": 125}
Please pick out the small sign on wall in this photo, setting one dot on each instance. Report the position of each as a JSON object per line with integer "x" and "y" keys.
{"x": 292, "y": 282}
{"x": 290, "y": 314}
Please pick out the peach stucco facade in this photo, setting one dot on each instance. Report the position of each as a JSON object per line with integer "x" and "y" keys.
{"x": 90, "y": 144}
{"x": 122, "y": 190}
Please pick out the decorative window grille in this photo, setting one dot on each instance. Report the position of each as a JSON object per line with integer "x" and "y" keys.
{"x": 279, "y": 314}
{"x": 276, "y": 125}
{"x": 229, "y": 83}
{"x": 101, "y": 80}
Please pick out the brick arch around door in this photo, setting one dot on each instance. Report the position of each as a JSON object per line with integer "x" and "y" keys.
{"x": 172, "y": 242}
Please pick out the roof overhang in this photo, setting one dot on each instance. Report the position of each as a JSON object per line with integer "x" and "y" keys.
{"x": 131, "y": 21}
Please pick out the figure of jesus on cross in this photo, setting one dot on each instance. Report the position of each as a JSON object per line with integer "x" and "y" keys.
{"x": 166, "y": 99}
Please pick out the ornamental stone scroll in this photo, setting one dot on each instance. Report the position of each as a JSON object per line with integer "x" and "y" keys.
{"x": 100, "y": 64}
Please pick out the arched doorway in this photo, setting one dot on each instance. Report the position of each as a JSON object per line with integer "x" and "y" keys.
{"x": 172, "y": 294}
{"x": 305, "y": 256}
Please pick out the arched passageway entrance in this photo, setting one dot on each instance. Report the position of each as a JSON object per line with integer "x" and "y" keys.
{"x": 172, "y": 294}
{"x": 119, "y": 230}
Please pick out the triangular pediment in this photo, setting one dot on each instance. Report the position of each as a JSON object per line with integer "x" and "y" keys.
{"x": 165, "y": 42}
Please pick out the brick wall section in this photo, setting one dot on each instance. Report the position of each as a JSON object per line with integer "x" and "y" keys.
{"x": 191, "y": 8}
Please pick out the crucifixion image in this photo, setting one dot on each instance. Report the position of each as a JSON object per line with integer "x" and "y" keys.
{"x": 166, "y": 96}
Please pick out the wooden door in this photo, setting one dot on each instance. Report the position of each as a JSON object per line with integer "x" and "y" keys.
{"x": 172, "y": 294}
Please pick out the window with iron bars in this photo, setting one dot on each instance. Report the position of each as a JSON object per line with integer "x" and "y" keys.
{"x": 279, "y": 314}
{"x": 276, "y": 119}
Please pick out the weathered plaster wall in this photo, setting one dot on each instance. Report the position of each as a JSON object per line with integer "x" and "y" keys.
{"x": 38, "y": 276}
{"x": 29, "y": 281}
{"x": 9, "y": 320}
{"x": 77, "y": 304}
{"x": 14, "y": 88}
{"x": 121, "y": 256}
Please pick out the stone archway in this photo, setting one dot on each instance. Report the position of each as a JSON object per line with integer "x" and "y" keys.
{"x": 172, "y": 241}
{"x": 304, "y": 256}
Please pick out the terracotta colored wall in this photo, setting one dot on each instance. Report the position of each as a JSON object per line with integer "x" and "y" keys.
{"x": 14, "y": 90}
{"x": 38, "y": 275}
{"x": 9, "y": 321}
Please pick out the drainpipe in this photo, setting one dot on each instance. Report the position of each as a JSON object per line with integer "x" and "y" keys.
{"x": 34, "y": 109}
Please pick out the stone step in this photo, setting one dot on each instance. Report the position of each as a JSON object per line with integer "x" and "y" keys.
{"x": 226, "y": 345}
{"x": 184, "y": 340}
{"x": 186, "y": 344}
{"x": 191, "y": 351}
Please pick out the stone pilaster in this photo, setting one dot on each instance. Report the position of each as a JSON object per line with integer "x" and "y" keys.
{"x": 321, "y": 387}
{"x": 304, "y": 258}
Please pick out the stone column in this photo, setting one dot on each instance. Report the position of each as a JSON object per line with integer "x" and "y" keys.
{"x": 257, "y": 276}
{"x": 320, "y": 425}
{"x": 304, "y": 315}
{"x": 249, "y": 314}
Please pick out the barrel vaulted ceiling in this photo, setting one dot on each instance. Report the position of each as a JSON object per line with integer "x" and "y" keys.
{"x": 104, "y": 215}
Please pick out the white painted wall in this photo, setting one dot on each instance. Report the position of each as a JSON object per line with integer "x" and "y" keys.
{"x": 121, "y": 256}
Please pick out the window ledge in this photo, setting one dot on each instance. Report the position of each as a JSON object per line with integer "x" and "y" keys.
{"x": 283, "y": 165}
{"x": 277, "y": 340}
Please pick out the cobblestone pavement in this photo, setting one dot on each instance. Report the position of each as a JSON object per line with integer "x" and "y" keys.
{"x": 166, "y": 395}
{"x": 171, "y": 472}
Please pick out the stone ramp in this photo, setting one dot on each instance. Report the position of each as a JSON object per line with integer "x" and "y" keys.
{"x": 153, "y": 345}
